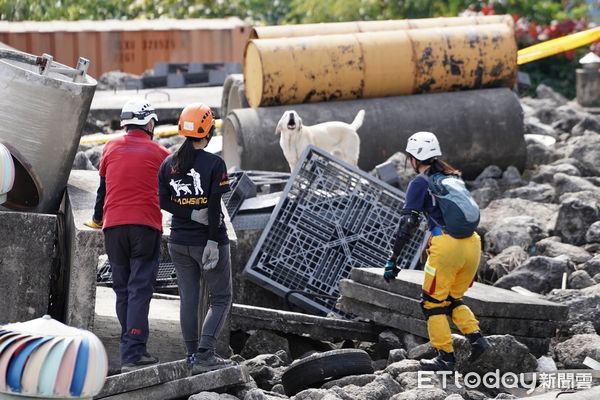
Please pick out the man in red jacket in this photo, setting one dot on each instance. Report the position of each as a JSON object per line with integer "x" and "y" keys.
{"x": 128, "y": 210}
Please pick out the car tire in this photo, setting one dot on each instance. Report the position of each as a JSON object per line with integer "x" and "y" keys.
{"x": 320, "y": 367}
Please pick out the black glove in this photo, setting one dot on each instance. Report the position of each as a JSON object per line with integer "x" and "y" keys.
{"x": 391, "y": 270}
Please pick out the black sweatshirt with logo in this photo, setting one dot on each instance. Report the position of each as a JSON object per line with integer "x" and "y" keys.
{"x": 181, "y": 192}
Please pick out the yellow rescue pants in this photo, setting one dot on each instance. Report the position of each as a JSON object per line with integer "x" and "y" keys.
{"x": 449, "y": 271}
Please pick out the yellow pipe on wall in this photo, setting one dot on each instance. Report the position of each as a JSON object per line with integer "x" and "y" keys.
{"x": 336, "y": 28}
{"x": 376, "y": 64}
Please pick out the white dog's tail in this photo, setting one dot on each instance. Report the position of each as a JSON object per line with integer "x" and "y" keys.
{"x": 358, "y": 120}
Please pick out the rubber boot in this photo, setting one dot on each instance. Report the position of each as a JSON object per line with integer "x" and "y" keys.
{"x": 479, "y": 344}
{"x": 442, "y": 362}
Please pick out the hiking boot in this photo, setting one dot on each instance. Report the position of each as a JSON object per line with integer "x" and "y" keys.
{"x": 442, "y": 362}
{"x": 145, "y": 360}
{"x": 479, "y": 344}
{"x": 208, "y": 360}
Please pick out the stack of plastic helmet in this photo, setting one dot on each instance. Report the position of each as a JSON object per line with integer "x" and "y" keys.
{"x": 7, "y": 172}
{"x": 44, "y": 358}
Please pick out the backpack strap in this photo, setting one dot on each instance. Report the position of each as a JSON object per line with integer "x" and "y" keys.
{"x": 429, "y": 184}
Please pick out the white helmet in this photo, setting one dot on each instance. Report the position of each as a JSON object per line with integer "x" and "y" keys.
{"x": 423, "y": 146}
{"x": 137, "y": 112}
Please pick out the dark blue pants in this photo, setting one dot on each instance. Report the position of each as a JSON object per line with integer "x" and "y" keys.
{"x": 133, "y": 252}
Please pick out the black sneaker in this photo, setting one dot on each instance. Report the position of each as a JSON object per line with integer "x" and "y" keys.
{"x": 442, "y": 362}
{"x": 204, "y": 361}
{"x": 479, "y": 344}
{"x": 145, "y": 361}
{"x": 189, "y": 359}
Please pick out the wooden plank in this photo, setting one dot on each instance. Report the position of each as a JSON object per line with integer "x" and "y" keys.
{"x": 488, "y": 300}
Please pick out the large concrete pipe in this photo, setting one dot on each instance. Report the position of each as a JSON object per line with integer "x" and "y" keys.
{"x": 42, "y": 108}
{"x": 335, "y": 28}
{"x": 476, "y": 128}
{"x": 234, "y": 95}
{"x": 375, "y": 64}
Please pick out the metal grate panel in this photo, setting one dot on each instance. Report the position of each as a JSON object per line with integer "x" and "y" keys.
{"x": 331, "y": 217}
{"x": 166, "y": 277}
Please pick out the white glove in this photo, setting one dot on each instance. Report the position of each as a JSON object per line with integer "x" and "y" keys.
{"x": 210, "y": 256}
{"x": 200, "y": 216}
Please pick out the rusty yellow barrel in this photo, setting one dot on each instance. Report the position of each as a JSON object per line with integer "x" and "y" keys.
{"x": 334, "y": 28}
{"x": 376, "y": 64}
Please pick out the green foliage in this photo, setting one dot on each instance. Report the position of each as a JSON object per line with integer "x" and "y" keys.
{"x": 278, "y": 11}
{"x": 556, "y": 71}
{"x": 270, "y": 12}
{"x": 305, "y": 11}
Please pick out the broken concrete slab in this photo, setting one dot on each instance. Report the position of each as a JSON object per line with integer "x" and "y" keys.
{"x": 418, "y": 326}
{"x": 412, "y": 308}
{"x": 84, "y": 246}
{"x": 487, "y": 300}
{"x": 397, "y": 303}
{"x": 383, "y": 316}
{"x": 321, "y": 328}
{"x": 27, "y": 258}
{"x": 107, "y": 105}
{"x": 209, "y": 381}
{"x": 145, "y": 377}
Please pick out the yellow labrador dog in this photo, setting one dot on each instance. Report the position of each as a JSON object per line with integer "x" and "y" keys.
{"x": 338, "y": 138}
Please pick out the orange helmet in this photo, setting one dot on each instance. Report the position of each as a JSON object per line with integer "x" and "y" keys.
{"x": 196, "y": 120}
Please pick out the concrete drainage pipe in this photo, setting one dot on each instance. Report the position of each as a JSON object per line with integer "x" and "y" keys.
{"x": 42, "y": 109}
{"x": 476, "y": 128}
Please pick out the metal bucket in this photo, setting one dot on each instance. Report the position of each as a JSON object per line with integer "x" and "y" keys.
{"x": 43, "y": 107}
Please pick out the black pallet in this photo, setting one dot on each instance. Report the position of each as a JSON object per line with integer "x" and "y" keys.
{"x": 242, "y": 188}
{"x": 165, "y": 279}
{"x": 331, "y": 217}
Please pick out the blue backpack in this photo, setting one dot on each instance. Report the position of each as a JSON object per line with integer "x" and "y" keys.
{"x": 460, "y": 211}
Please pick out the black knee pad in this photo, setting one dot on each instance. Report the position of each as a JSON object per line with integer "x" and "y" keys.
{"x": 428, "y": 312}
{"x": 454, "y": 303}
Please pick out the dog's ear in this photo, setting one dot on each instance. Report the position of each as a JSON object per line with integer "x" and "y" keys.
{"x": 279, "y": 126}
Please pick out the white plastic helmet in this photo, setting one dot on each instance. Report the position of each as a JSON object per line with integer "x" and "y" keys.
{"x": 423, "y": 146}
{"x": 137, "y": 112}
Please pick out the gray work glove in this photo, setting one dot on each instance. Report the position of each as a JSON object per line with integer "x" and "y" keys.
{"x": 200, "y": 216}
{"x": 210, "y": 257}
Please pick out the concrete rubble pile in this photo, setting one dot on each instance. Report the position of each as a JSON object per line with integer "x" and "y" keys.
{"x": 540, "y": 229}
{"x": 536, "y": 226}
{"x": 530, "y": 320}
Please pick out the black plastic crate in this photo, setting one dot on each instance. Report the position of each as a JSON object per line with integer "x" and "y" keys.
{"x": 242, "y": 188}
{"x": 331, "y": 217}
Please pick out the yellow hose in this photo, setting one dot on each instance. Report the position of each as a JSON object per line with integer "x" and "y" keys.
{"x": 160, "y": 131}
{"x": 558, "y": 45}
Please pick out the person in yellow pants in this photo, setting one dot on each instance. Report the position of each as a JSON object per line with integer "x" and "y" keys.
{"x": 454, "y": 253}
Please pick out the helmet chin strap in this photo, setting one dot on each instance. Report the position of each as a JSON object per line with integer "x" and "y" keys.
{"x": 210, "y": 135}
{"x": 150, "y": 133}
